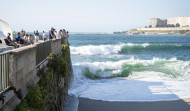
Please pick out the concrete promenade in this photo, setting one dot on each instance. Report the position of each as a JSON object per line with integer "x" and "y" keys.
{"x": 97, "y": 105}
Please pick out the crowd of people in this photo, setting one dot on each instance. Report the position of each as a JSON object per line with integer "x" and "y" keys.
{"x": 29, "y": 39}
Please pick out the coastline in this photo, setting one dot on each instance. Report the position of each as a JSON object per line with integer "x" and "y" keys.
{"x": 158, "y": 31}
{"x": 98, "y": 105}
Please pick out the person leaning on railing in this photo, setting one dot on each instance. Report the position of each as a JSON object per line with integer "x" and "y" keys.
{"x": 36, "y": 36}
{"x": 51, "y": 34}
{"x": 67, "y": 36}
{"x": 14, "y": 34}
{"x": 60, "y": 34}
{"x": 44, "y": 36}
{"x": 9, "y": 42}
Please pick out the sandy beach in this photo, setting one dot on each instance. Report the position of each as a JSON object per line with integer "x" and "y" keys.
{"x": 97, "y": 105}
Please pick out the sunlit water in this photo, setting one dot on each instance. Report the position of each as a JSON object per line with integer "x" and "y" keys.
{"x": 130, "y": 67}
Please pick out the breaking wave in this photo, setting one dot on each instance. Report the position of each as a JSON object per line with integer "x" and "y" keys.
{"x": 132, "y": 80}
{"x": 165, "y": 69}
{"x": 122, "y": 48}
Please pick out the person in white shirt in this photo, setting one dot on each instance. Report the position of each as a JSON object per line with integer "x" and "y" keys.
{"x": 30, "y": 41}
{"x": 60, "y": 35}
{"x": 44, "y": 36}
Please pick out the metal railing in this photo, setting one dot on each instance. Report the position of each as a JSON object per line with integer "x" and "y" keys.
{"x": 4, "y": 71}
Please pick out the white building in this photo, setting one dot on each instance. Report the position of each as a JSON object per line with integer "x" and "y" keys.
{"x": 182, "y": 21}
{"x": 157, "y": 22}
{"x": 170, "y": 22}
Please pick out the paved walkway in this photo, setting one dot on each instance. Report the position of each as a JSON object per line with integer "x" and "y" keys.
{"x": 97, "y": 105}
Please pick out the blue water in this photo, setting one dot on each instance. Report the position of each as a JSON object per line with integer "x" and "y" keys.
{"x": 163, "y": 46}
{"x": 101, "y": 61}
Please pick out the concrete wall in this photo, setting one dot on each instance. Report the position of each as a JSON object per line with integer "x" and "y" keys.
{"x": 44, "y": 49}
{"x": 23, "y": 71}
{"x": 22, "y": 63}
{"x": 56, "y": 46}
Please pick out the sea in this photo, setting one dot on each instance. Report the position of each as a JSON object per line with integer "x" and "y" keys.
{"x": 120, "y": 67}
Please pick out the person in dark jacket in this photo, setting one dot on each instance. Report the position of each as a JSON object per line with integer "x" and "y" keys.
{"x": 10, "y": 42}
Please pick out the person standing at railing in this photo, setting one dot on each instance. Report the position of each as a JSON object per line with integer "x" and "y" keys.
{"x": 60, "y": 34}
{"x": 22, "y": 33}
{"x": 36, "y": 36}
{"x": 44, "y": 36}
{"x": 51, "y": 34}
{"x": 14, "y": 35}
{"x": 64, "y": 32}
{"x": 65, "y": 36}
{"x": 26, "y": 39}
{"x": 10, "y": 42}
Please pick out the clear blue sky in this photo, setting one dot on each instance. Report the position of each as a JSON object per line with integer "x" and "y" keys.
{"x": 88, "y": 15}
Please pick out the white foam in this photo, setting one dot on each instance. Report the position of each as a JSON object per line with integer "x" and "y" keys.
{"x": 101, "y": 49}
{"x": 92, "y": 49}
{"x": 140, "y": 86}
{"x": 116, "y": 67}
{"x": 134, "y": 90}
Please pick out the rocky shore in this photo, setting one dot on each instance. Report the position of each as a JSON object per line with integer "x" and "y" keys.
{"x": 156, "y": 31}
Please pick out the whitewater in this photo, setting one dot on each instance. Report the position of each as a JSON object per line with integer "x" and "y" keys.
{"x": 113, "y": 67}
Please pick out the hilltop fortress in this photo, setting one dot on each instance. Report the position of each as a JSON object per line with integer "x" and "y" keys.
{"x": 170, "y": 22}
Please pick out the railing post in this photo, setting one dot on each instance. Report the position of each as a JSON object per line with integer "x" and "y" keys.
{"x": 4, "y": 71}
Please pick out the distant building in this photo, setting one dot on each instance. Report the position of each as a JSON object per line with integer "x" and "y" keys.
{"x": 157, "y": 22}
{"x": 180, "y": 21}
{"x": 170, "y": 22}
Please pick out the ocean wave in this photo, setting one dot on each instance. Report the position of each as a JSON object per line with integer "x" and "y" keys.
{"x": 96, "y": 49}
{"x": 151, "y": 47}
{"x": 170, "y": 69}
{"x": 122, "y": 48}
{"x": 143, "y": 80}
